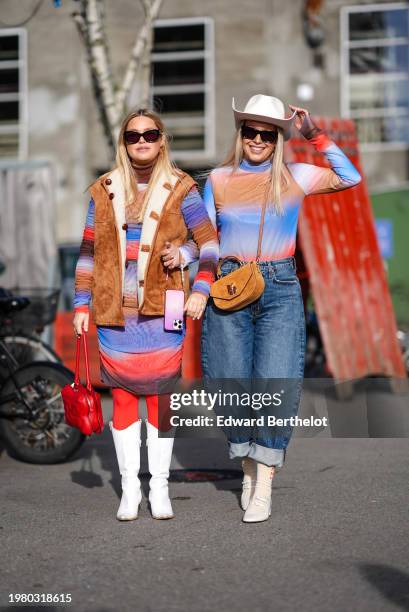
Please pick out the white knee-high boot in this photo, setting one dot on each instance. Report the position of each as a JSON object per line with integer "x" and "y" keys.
{"x": 259, "y": 508}
{"x": 128, "y": 448}
{"x": 249, "y": 481}
{"x": 159, "y": 458}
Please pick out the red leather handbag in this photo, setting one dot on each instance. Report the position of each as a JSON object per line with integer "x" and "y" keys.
{"x": 82, "y": 405}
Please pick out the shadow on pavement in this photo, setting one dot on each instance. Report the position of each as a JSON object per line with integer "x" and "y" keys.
{"x": 102, "y": 448}
{"x": 390, "y": 582}
{"x": 98, "y": 453}
{"x": 2, "y": 449}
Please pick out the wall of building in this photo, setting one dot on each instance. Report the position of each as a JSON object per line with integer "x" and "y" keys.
{"x": 259, "y": 47}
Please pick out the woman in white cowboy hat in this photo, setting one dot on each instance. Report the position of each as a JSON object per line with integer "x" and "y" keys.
{"x": 266, "y": 339}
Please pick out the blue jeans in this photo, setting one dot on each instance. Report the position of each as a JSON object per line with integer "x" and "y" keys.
{"x": 263, "y": 341}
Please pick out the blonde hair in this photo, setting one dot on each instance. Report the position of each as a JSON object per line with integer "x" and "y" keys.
{"x": 163, "y": 162}
{"x": 278, "y": 180}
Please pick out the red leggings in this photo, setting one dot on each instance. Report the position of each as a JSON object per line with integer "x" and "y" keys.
{"x": 126, "y": 410}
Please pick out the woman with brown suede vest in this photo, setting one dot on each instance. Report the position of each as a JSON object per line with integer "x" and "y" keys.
{"x": 136, "y": 212}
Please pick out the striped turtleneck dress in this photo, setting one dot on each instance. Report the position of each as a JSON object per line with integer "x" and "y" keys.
{"x": 141, "y": 356}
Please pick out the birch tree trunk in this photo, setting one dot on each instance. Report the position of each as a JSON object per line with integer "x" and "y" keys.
{"x": 143, "y": 41}
{"x": 110, "y": 98}
{"x": 146, "y": 57}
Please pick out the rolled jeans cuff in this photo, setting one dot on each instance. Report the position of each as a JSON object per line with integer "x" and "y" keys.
{"x": 238, "y": 449}
{"x": 269, "y": 456}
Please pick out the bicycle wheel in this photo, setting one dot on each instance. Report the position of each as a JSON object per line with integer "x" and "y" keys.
{"x": 26, "y": 349}
{"x": 47, "y": 439}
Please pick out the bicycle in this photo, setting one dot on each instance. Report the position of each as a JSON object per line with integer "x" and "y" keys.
{"x": 32, "y": 422}
{"x": 21, "y": 331}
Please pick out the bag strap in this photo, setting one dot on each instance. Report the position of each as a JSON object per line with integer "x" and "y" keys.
{"x": 261, "y": 228}
{"x": 260, "y": 240}
{"x": 182, "y": 267}
{"x": 77, "y": 361}
{"x": 221, "y": 262}
{"x": 87, "y": 374}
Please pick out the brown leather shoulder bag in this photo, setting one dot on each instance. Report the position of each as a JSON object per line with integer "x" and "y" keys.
{"x": 242, "y": 286}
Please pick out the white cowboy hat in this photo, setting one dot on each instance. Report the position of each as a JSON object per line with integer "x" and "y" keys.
{"x": 267, "y": 110}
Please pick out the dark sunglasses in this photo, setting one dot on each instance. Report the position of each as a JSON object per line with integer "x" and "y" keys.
{"x": 132, "y": 137}
{"x": 265, "y": 135}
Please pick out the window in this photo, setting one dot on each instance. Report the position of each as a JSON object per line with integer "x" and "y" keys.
{"x": 13, "y": 93}
{"x": 183, "y": 83}
{"x": 375, "y": 72}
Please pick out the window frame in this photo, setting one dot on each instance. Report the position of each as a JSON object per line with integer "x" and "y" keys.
{"x": 208, "y": 87}
{"x": 20, "y": 128}
{"x": 346, "y": 44}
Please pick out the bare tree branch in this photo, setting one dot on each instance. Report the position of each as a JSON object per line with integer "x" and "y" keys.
{"x": 111, "y": 105}
{"x": 101, "y": 11}
{"x": 146, "y": 5}
{"x": 100, "y": 62}
{"x": 142, "y": 42}
{"x": 146, "y": 64}
{"x": 81, "y": 27}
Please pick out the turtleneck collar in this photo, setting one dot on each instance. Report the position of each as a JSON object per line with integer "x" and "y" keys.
{"x": 143, "y": 171}
{"x": 249, "y": 166}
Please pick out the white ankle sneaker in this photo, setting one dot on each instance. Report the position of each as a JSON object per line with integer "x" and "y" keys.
{"x": 249, "y": 481}
{"x": 127, "y": 446}
{"x": 259, "y": 508}
{"x": 159, "y": 458}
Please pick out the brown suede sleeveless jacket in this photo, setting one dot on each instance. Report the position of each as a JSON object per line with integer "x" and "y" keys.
{"x": 109, "y": 250}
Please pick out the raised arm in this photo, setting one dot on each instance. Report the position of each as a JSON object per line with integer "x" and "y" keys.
{"x": 314, "y": 179}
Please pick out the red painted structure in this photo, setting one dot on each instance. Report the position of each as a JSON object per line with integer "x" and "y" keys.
{"x": 346, "y": 272}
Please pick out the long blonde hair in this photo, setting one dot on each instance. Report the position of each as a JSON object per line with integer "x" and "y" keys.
{"x": 163, "y": 162}
{"x": 278, "y": 180}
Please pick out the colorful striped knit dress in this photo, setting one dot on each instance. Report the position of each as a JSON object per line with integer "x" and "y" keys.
{"x": 141, "y": 356}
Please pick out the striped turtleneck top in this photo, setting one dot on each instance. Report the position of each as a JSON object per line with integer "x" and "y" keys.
{"x": 234, "y": 200}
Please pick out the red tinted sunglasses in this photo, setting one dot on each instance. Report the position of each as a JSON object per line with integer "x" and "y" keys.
{"x": 132, "y": 137}
{"x": 265, "y": 135}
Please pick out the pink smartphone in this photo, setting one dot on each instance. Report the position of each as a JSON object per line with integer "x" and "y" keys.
{"x": 174, "y": 304}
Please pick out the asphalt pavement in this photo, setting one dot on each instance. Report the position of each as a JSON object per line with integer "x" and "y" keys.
{"x": 337, "y": 538}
